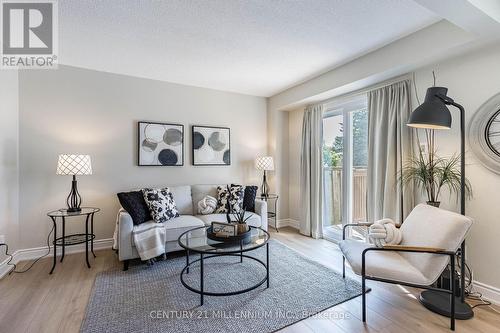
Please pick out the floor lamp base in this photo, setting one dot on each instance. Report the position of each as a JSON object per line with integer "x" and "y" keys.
{"x": 439, "y": 302}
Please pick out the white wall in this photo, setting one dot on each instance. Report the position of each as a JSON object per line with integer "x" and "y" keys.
{"x": 72, "y": 110}
{"x": 9, "y": 180}
{"x": 278, "y": 148}
{"x": 472, "y": 79}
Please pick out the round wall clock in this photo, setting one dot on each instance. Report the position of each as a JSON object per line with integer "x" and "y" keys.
{"x": 484, "y": 134}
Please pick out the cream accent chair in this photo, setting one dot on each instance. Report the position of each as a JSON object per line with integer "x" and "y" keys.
{"x": 431, "y": 238}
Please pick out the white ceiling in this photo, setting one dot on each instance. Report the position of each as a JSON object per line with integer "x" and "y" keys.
{"x": 256, "y": 47}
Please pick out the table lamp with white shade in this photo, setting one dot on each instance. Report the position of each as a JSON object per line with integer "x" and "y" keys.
{"x": 264, "y": 163}
{"x": 74, "y": 165}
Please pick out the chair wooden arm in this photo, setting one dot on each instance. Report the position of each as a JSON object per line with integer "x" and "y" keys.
{"x": 415, "y": 248}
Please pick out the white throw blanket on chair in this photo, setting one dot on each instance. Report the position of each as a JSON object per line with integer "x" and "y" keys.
{"x": 149, "y": 239}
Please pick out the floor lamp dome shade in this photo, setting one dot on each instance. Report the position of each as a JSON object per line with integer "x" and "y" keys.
{"x": 433, "y": 112}
{"x": 264, "y": 163}
{"x": 73, "y": 165}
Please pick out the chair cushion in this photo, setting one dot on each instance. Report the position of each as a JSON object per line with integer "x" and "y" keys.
{"x": 433, "y": 227}
{"x": 382, "y": 264}
{"x": 254, "y": 220}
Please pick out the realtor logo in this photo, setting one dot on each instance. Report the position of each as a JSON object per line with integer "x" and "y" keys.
{"x": 29, "y": 38}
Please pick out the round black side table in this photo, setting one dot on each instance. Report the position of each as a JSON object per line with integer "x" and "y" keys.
{"x": 73, "y": 239}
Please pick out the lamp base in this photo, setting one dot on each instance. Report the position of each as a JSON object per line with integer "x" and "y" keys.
{"x": 74, "y": 199}
{"x": 440, "y": 303}
{"x": 264, "y": 187}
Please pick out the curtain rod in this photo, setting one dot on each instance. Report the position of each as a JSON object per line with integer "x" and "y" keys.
{"x": 407, "y": 76}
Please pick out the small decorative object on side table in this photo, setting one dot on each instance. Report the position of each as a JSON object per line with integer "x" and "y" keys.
{"x": 272, "y": 214}
{"x": 74, "y": 239}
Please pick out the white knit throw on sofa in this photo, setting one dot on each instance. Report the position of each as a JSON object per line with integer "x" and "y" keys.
{"x": 384, "y": 232}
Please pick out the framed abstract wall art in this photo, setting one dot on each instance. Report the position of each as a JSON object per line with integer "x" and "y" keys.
{"x": 161, "y": 144}
{"x": 211, "y": 145}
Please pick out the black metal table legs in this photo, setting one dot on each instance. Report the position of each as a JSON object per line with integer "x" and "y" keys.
{"x": 63, "y": 235}
{"x": 67, "y": 240}
{"x": 92, "y": 234}
{"x": 187, "y": 257}
{"x": 201, "y": 279}
{"x": 276, "y": 215}
{"x": 201, "y": 291}
{"x": 54, "y": 245}
{"x": 86, "y": 241}
{"x": 267, "y": 264}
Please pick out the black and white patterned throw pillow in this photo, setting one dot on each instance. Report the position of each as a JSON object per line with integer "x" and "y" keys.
{"x": 161, "y": 204}
{"x": 229, "y": 197}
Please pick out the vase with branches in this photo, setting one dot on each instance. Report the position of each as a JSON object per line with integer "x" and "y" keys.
{"x": 241, "y": 220}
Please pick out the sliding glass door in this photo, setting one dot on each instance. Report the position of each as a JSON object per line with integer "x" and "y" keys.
{"x": 345, "y": 146}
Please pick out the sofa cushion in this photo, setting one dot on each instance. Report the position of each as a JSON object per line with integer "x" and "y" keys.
{"x": 183, "y": 200}
{"x": 198, "y": 192}
{"x": 178, "y": 225}
{"x": 133, "y": 202}
{"x": 254, "y": 220}
{"x": 382, "y": 264}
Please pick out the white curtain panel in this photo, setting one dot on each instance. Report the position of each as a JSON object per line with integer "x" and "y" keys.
{"x": 390, "y": 144}
{"x": 311, "y": 173}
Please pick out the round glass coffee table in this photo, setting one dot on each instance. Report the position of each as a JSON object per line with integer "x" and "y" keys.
{"x": 208, "y": 248}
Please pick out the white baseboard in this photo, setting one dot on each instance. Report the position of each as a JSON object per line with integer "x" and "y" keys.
{"x": 36, "y": 252}
{"x": 288, "y": 223}
{"x": 489, "y": 293}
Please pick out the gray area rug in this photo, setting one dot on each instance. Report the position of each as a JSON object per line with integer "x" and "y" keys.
{"x": 152, "y": 299}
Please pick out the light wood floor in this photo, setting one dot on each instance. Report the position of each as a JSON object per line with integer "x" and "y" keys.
{"x": 38, "y": 302}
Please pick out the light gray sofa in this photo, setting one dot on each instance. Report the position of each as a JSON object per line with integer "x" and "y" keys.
{"x": 186, "y": 198}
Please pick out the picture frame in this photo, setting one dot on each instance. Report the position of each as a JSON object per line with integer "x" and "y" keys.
{"x": 210, "y": 145}
{"x": 160, "y": 144}
{"x": 224, "y": 229}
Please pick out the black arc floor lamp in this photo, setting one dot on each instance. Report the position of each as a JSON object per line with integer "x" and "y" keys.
{"x": 433, "y": 113}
